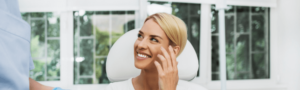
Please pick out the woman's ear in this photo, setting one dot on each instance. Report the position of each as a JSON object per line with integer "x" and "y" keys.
{"x": 176, "y": 50}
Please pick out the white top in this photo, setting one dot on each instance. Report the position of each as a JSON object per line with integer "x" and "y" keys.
{"x": 127, "y": 85}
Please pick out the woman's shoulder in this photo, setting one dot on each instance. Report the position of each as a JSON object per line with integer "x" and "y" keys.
{"x": 122, "y": 85}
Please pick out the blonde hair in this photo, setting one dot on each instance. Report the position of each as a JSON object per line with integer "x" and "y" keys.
{"x": 174, "y": 28}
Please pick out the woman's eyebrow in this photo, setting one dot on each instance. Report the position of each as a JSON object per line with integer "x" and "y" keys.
{"x": 141, "y": 32}
{"x": 156, "y": 36}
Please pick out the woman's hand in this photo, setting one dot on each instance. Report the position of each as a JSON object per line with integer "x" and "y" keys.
{"x": 167, "y": 72}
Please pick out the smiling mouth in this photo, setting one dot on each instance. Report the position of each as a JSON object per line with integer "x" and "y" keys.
{"x": 143, "y": 55}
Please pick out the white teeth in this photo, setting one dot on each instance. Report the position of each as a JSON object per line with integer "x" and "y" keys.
{"x": 141, "y": 55}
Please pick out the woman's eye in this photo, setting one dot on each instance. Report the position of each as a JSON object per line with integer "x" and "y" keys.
{"x": 153, "y": 39}
{"x": 140, "y": 36}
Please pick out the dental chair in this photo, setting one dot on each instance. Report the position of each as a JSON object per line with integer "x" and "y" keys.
{"x": 120, "y": 62}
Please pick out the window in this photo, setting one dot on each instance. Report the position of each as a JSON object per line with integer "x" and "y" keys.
{"x": 190, "y": 14}
{"x": 45, "y": 45}
{"x": 247, "y": 43}
{"x": 71, "y": 39}
{"x": 94, "y": 33}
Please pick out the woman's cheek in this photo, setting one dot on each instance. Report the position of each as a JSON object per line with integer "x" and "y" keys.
{"x": 156, "y": 51}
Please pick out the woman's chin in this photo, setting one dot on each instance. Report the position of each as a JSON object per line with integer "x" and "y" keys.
{"x": 143, "y": 64}
{"x": 139, "y": 66}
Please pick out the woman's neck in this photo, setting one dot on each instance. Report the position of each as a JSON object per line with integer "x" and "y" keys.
{"x": 147, "y": 80}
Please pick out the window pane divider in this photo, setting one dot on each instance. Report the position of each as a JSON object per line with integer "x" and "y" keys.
{"x": 46, "y": 46}
{"x": 254, "y": 14}
{"x": 85, "y": 76}
{"x": 250, "y": 42}
{"x": 36, "y": 18}
{"x": 53, "y": 38}
{"x": 100, "y": 57}
{"x": 85, "y": 37}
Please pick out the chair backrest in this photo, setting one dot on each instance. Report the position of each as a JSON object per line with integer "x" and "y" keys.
{"x": 120, "y": 60}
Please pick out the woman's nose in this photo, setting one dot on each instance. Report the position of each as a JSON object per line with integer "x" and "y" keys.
{"x": 142, "y": 44}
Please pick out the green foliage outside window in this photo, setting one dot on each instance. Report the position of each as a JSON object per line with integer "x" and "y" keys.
{"x": 94, "y": 33}
{"x": 45, "y": 45}
{"x": 247, "y": 52}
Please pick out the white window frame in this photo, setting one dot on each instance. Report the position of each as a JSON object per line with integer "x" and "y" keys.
{"x": 66, "y": 8}
{"x": 273, "y": 83}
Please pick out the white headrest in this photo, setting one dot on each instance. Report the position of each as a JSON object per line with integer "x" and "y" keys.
{"x": 120, "y": 60}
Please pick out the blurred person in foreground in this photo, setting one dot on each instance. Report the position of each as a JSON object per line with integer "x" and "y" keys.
{"x": 15, "y": 57}
{"x": 161, "y": 39}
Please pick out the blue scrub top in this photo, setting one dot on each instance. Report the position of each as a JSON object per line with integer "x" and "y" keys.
{"x": 15, "y": 57}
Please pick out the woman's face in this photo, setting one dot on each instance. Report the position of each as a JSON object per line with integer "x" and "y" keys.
{"x": 148, "y": 45}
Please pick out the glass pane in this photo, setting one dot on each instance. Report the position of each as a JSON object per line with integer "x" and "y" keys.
{"x": 259, "y": 68}
{"x": 53, "y": 78}
{"x": 243, "y": 53}
{"x": 114, "y": 39}
{"x": 195, "y": 9}
{"x": 258, "y": 9}
{"x": 37, "y": 14}
{"x": 76, "y": 27}
{"x": 190, "y": 14}
{"x": 101, "y": 70}
{"x": 118, "y": 26}
{"x": 90, "y": 50}
{"x": 194, "y": 32}
{"x": 102, "y": 43}
{"x": 86, "y": 27}
{"x": 37, "y": 38}
{"x": 214, "y": 20}
{"x": 25, "y": 16}
{"x": 86, "y": 51}
{"x": 230, "y": 9}
{"x": 45, "y": 57}
{"x": 242, "y": 19}
{"x": 258, "y": 33}
{"x": 158, "y": 2}
{"x": 101, "y": 23}
{"x": 38, "y": 73}
{"x": 85, "y": 81}
{"x": 180, "y": 10}
{"x": 215, "y": 77}
{"x": 53, "y": 23}
{"x": 242, "y": 58}
{"x": 229, "y": 30}
{"x": 230, "y": 61}
{"x": 215, "y": 54}
{"x": 230, "y": 66}
{"x": 53, "y": 65}
{"x": 102, "y": 12}
{"x": 88, "y": 13}
{"x": 118, "y": 23}
{"x": 130, "y": 20}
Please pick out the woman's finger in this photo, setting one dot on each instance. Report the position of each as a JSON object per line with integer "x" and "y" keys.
{"x": 167, "y": 56}
{"x": 173, "y": 56}
{"x": 163, "y": 61}
{"x": 176, "y": 62}
{"x": 158, "y": 67}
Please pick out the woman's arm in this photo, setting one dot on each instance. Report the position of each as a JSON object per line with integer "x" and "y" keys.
{"x": 34, "y": 85}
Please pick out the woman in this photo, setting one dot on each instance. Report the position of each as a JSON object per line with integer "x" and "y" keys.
{"x": 161, "y": 39}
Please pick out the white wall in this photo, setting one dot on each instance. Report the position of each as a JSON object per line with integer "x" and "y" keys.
{"x": 289, "y": 43}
